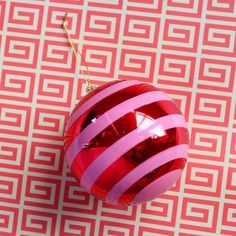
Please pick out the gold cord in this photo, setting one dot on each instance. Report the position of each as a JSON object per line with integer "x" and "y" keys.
{"x": 76, "y": 52}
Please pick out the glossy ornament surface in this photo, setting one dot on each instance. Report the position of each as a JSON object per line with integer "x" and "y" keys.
{"x": 126, "y": 142}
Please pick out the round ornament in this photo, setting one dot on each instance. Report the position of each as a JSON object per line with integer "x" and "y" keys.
{"x": 126, "y": 142}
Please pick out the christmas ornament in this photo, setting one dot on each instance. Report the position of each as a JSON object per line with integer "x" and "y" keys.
{"x": 126, "y": 142}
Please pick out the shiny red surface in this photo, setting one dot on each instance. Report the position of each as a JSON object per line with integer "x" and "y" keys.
{"x": 119, "y": 129}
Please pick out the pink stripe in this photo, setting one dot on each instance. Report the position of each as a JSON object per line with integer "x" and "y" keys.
{"x": 124, "y": 144}
{"x": 108, "y": 118}
{"x": 98, "y": 97}
{"x": 157, "y": 187}
{"x": 144, "y": 168}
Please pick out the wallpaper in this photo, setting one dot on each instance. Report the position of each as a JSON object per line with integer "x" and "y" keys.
{"x": 185, "y": 48}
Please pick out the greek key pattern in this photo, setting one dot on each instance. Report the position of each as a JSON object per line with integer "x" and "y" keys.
{"x": 186, "y": 48}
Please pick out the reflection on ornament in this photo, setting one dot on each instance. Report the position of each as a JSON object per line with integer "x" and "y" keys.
{"x": 126, "y": 142}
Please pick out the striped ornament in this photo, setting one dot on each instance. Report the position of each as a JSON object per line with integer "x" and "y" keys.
{"x": 126, "y": 142}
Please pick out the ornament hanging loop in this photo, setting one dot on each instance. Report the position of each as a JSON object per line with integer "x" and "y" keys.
{"x": 76, "y": 52}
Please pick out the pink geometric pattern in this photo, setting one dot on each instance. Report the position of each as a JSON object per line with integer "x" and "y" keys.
{"x": 185, "y": 48}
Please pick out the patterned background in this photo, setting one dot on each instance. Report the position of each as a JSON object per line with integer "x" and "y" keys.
{"x": 187, "y": 48}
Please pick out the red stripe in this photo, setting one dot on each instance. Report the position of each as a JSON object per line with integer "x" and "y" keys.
{"x": 114, "y": 99}
{"x": 130, "y": 194}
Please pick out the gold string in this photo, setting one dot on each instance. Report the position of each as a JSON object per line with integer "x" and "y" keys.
{"x": 76, "y": 52}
